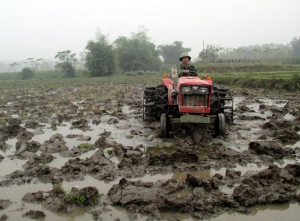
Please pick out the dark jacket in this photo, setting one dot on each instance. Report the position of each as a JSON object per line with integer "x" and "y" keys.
{"x": 181, "y": 67}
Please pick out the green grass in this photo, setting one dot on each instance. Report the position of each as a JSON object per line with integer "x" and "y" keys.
{"x": 85, "y": 146}
{"x": 288, "y": 80}
{"x": 258, "y": 75}
{"x": 45, "y": 83}
{"x": 281, "y": 80}
{"x": 69, "y": 197}
{"x": 244, "y": 67}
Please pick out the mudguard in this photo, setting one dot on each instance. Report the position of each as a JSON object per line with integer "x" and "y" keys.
{"x": 170, "y": 85}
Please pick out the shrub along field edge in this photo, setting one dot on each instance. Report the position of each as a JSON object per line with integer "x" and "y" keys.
{"x": 243, "y": 67}
{"x": 289, "y": 82}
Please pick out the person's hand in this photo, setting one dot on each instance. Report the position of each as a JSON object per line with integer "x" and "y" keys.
{"x": 186, "y": 71}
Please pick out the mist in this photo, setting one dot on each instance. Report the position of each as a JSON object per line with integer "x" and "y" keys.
{"x": 39, "y": 29}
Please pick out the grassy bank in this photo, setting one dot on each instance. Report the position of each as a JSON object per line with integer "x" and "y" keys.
{"x": 288, "y": 80}
{"x": 81, "y": 81}
{"x": 49, "y": 74}
{"x": 244, "y": 67}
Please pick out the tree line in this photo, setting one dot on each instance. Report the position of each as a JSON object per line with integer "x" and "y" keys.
{"x": 125, "y": 54}
{"x": 254, "y": 53}
{"x": 138, "y": 53}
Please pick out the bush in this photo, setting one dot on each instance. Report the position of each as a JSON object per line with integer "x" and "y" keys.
{"x": 294, "y": 84}
{"x": 140, "y": 72}
{"x": 26, "y": 73}
{"x": 148, "y": 72}
{"x": 130, "y": 73}
{"x": 67, "y": 69}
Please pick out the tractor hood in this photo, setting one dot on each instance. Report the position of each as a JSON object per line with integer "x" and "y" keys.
{"x": 193, "y": 81}
{"x": 194, "y": 101}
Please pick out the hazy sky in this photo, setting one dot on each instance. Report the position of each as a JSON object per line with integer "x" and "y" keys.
{"x": 41, "y": 28}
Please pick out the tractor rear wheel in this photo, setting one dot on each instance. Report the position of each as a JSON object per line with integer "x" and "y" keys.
{"x": 155, "y": 101}
{"x": 162, "y": 100}
{"x": 220, "y": 124}
{"x": 164, "y": 126}
{"x": 149, "y": 102}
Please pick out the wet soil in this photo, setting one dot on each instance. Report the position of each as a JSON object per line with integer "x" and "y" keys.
{"x": 73, "y": 153}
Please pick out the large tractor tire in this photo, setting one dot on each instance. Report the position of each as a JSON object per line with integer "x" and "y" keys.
{"x": 222, "y": 102}
{"x": 149, "y": 102}
{"x": 164, "y": 126}
{"x": 155, "y": 101}
{"x": 162, "y": 100}
{"x": 220, "y": 124}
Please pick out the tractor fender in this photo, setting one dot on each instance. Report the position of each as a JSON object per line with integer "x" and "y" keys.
{"x": 170, "y": 85}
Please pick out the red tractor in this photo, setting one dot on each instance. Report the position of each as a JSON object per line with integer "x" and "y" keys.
{"x": 190, "y": 101}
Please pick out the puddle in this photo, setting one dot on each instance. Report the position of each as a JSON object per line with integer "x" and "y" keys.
{"x": 236, "y": 101}
{"x": 285, "y": 162}
{"x": 60, "y": 161}
{"x": 8, "y": 166}
{"x": 289, "y": 117}
{"x": 249, "y": 167}
{"x": 181, "y": 176}
{"x": 269, "y": 212}
{"x": 153, "y": 178}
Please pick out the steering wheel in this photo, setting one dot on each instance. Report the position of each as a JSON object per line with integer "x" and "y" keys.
{"x": 191, "y": 73}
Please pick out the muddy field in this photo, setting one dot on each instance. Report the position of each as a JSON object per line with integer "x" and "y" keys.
{"x": 85, "y": 153}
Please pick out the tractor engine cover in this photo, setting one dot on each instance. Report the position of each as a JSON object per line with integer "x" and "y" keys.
{"x": 194, "y": 100}
{"x": 194, "y": 95}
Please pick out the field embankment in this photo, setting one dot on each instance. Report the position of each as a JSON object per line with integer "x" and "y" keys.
{"x": 257, "y": 75}
{"x": 288, "y": 81}
{"x": 244, "y": 67}
{"x": 263, "y": 76}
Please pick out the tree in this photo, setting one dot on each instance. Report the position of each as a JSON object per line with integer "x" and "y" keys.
{"x": 296, "y": 46}
{"x": 66, "y": 64}
{"x": 34, "y": 63}
{"x": 171, "y": 52}
{"x": 14, "y": 64}
{"x": 210, "y": 53}
{"x": 137, "y": 52}
{"x": 99, "y": 57}
{"x": 26, "y": 73}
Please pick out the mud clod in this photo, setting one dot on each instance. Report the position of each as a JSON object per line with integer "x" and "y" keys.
{"x": 270, "y": 148}
{"x": 287, "y": 136}
{"x": 54, "y": 145}
{"x": 245, "y": 195}
{"x": 35, "y": 214}
{"x": 4, "y": 204}
{"x": 4, "y": 217}
{"x": 59, "y": 200}
{"x": 33, "y": 197}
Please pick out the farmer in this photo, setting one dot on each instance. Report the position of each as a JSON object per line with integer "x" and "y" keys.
{"x": 186, "y": 69}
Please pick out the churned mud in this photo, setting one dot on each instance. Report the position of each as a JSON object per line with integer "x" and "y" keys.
{"x": 79, "y": 153}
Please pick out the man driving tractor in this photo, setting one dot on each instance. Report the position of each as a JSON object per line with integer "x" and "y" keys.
{"x": 185, "y": 68}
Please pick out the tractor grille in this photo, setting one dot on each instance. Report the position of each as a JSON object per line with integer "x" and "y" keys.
{"x": 194, "y": 100}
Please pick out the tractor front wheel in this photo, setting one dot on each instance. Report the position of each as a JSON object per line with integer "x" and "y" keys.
{"x": 220, "y": 124}
{"x": 164, "y": 126}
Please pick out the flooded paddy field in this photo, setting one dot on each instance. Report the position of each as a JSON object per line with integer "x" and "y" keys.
{"x": 85, "y": 153}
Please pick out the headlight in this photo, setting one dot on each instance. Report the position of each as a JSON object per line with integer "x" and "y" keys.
{"x": 203, "y": 90}
{"x": 186, "y": 89}
{"x": 195, "y": 89}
